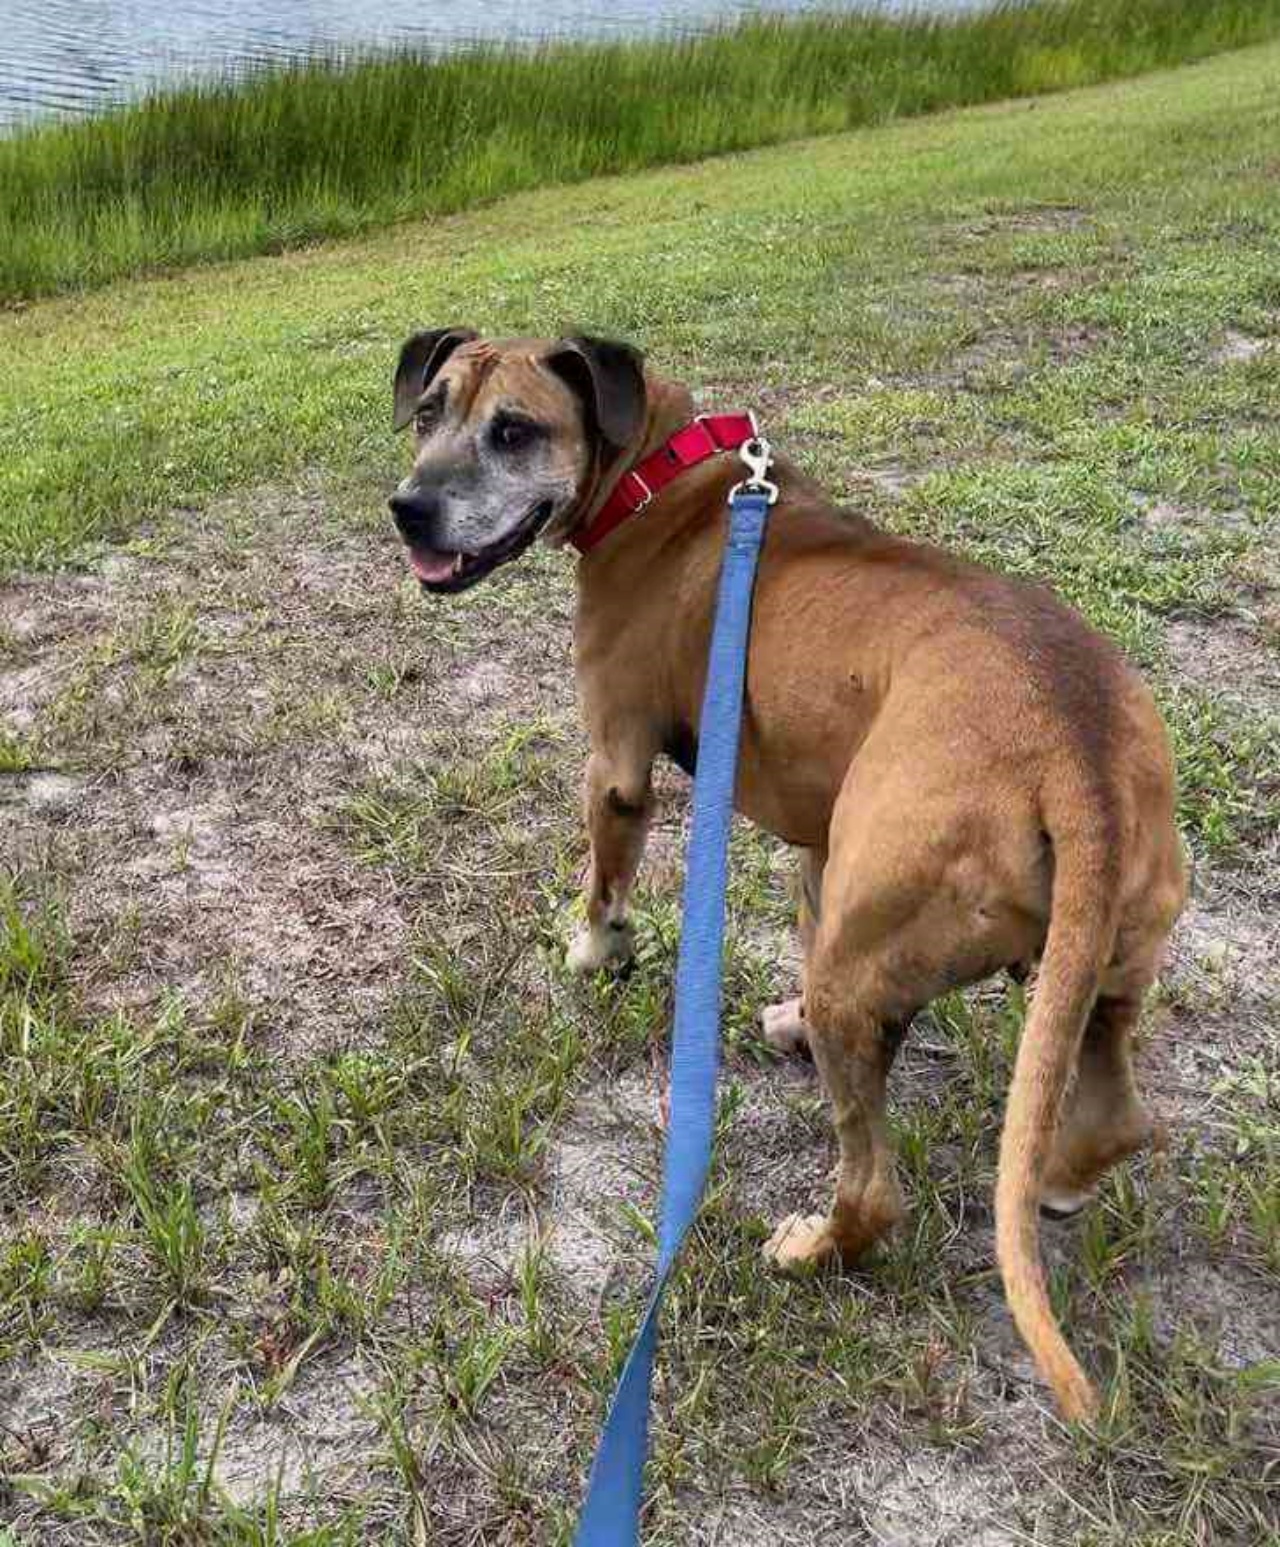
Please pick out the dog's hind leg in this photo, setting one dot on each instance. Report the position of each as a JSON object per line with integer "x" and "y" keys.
{"x": 909, "y": 910}
{"x": 784, "y": 1024}
{"x": 853, "y": 1049}
{"x": 854, "y": 1023}
{"x": 1103, "y": 1118}
{"x": 619, "y": 804}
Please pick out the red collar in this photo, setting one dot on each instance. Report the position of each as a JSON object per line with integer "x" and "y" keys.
{"x": 705, "y": 437}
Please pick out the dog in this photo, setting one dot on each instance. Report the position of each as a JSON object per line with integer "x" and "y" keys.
{"x": 976, "y": 780}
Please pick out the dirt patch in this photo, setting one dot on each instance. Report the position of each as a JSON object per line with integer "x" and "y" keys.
{"x": 1000, "y": 358}
{"x": 1224, "y": 948}
{"x": 1231, "y": 660}
{"x": 936, "y": 1501}
{"x": 269, "y": 772}
{"x": 892, "y": 480}
{"x": 43, "y": 793}
{"x": 1028, "y": 218}
{"x": 207, "y": 713}
{"x": 605, "y": 1159}
{"x": 1167, "y": 516}
{"x": 1237, "y": 348}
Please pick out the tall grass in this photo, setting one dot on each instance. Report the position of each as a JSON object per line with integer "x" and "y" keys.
{"x": 225, "y": 169}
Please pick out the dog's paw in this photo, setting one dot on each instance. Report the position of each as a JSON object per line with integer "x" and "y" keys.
{"x": 602, "y": 945}
{"x": 1060, "y": 1204}
{"x": 801, "y": 1241}
{"x": 784, "y": 1026}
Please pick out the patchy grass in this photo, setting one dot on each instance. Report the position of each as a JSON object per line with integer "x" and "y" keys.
{"x": 224, "y": 169}
{"x": 325, "y": 1199}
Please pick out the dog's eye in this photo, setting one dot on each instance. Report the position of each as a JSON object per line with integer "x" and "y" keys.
{"x": 425, "y": 420}
{"x": 509, "y": 434}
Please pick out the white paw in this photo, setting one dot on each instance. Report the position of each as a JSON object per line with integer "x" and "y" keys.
{"x": 601, "y": 945}
{"x": 784, "y": 1026}
{"x": 1063, "y": 1204}
{"x": 800, "y": 1241}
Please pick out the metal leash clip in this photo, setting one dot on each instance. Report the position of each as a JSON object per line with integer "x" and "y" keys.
{"x": 758, "y": 455}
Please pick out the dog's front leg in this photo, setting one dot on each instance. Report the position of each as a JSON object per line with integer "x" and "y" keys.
{"x": 619, "y": 803}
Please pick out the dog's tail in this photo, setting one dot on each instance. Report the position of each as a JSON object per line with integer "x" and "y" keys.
{"x": 1081, "y": 937}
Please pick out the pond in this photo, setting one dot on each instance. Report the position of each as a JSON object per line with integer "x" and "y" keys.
{"x": 73, "y": 56}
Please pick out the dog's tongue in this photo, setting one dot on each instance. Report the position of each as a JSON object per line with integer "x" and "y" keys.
{"x": 427, "y": 564}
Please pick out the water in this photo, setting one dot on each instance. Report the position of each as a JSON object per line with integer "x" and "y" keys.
{"x": 74, "y": 56}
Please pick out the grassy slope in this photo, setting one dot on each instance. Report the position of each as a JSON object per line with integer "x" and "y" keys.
{"x": 1046, "y": 333}
{"x": 229, "y": 169}
{"x": 812, "y": 265}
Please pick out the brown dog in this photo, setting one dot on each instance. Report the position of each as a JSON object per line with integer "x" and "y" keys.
{"x": 975, "y": 779}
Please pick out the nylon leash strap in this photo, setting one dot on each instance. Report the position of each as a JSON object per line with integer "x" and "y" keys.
{"x": 611, "y": 1514}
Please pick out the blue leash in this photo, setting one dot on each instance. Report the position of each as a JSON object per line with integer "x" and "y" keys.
{"x": 611, "y": 1515}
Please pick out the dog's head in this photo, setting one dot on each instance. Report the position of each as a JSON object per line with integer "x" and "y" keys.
{"x": 511, "y": 439}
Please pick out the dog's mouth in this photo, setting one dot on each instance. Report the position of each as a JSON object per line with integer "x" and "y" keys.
{"x": 441, "y": 570}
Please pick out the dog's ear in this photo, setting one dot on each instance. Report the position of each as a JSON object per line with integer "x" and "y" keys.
{"x": 420, "y": 359}
{"x": 609, "y": 378}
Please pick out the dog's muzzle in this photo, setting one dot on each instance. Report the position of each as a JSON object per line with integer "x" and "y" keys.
{"x": 417, "y": 517}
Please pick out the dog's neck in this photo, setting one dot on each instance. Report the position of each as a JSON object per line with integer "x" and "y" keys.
{"x": 668, "y": 407}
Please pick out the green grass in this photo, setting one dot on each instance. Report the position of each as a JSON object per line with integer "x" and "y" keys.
{"x": 1019, "y": 309}
{"x": 222, "y": 170}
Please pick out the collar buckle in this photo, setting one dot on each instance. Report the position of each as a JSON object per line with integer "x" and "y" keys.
{"x": 646, "y": 493}
{"x": 757, "y": 454}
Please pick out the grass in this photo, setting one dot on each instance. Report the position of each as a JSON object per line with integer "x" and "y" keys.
{"x": 1092, "y": 399}
{"x": 326, "y": 1200}
{"x": 223, "y": 170}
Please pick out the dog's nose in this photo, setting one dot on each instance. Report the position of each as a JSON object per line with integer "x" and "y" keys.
{"x": 415, "y": 510}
